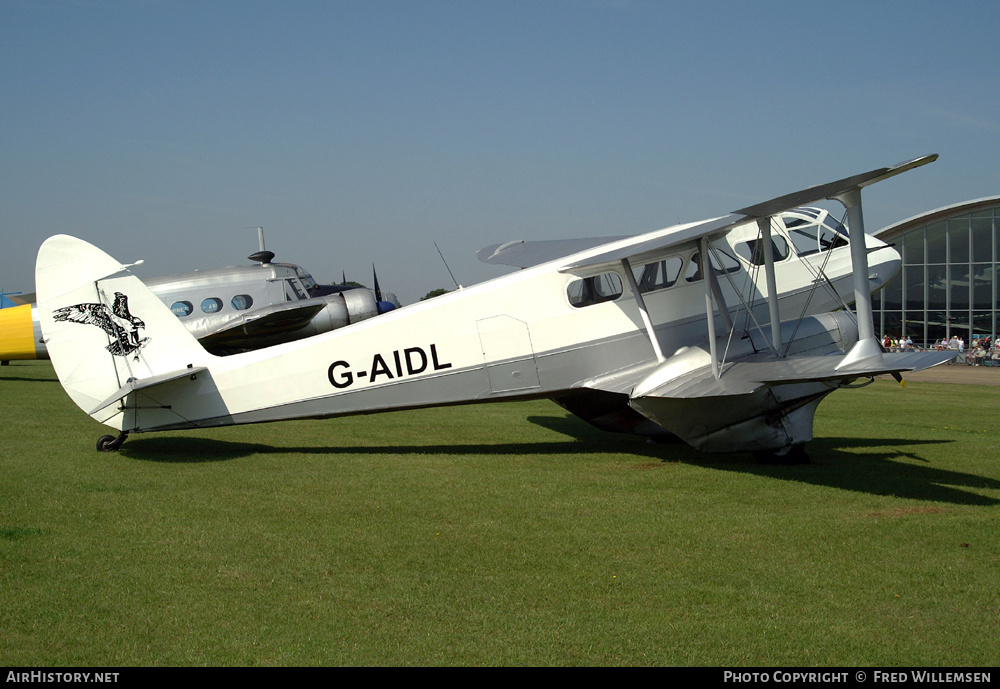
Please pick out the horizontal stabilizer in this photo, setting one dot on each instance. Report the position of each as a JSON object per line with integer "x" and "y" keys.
{"x": 146, "y": 383}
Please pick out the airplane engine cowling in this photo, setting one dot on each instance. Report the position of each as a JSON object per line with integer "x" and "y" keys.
{"x": 351, "y": 306}
{"x": 334, "y": 315}
{"x": 361, "y": 304}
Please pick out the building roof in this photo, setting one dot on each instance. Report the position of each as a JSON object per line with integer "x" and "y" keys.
{"x": 903, "y": 226}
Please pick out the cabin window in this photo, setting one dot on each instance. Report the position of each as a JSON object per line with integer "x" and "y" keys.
{"x": 693, "y": 272}
{"x": 594, "y": 290}
{"x": 211, "y": 305}
{"x": 242, "y": 302}
{"x": 721, "y": 262}
{"x": 658, "y": 275}
{"x": 182, "y": 308}
{"x": 753, "y": 251}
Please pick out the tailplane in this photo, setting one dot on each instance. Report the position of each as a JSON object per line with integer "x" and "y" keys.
{"x": 105, "y": 331}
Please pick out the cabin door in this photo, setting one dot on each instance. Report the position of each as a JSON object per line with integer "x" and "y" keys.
{"x": 510, "y": 360}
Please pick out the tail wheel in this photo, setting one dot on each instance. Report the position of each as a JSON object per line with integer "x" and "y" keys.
{"x": 109, "y": 443}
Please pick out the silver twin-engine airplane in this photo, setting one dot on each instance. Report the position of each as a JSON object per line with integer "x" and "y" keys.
{"x": 726, "y": 333}
{"x": 229, "y": 310}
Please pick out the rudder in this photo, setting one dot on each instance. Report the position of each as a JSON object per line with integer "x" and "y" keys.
{"x": 103, "y": 327}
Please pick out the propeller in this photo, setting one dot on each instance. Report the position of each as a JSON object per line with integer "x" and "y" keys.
{"x": 383, "y": 305}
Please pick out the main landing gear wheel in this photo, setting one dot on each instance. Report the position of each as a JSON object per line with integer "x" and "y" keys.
{"x": 109, "y": 443}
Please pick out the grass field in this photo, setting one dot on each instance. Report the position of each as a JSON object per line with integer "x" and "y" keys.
{"x": 506, "y": 534}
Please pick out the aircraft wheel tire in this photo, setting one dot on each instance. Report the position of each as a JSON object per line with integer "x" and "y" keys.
{"x": 109, "y": 443}
{"x": 793, "y": 454}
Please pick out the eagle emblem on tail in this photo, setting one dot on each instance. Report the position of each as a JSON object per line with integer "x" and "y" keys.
{"x": 116, "y": 320}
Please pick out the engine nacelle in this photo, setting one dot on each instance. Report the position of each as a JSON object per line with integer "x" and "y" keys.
{"x": 360, "y": 303}
{"x": 344, "y": 308}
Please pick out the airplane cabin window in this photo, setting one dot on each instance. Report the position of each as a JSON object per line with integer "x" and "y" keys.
{"x": 211, "y": 305}
{"x": 753, "y": 251}
{"x": 658, "y": 275}
{"x": 594, "y": 290}
{"x": 182, "y": 308}
{"x": 242, "y": 302}
{"x": 693, "y": 273}
{"x": 728, "y": 265}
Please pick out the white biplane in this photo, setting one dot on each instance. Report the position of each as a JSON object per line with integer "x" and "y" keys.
{"x": 726, "y": 333}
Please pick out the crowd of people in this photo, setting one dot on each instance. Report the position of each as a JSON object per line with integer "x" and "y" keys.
{"x": 983, "y": 352}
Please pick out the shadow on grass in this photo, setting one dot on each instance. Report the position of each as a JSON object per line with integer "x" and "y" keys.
{"x": 181, "y": 450}
{"x": 27, "y": 379}
{"x": 863, "y": 465}
{"x": 197, "y": 450}
{"x": 882, "y": 467}
{"x": 879, "y": 467}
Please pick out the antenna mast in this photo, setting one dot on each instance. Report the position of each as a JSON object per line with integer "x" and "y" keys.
{"x": 446, "y": 266}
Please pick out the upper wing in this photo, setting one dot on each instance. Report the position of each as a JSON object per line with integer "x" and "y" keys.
{"x": 581, "y": 253}
{"x": 831, "y": 190}
{"x": 653, "y": 242}
{"x": 522, "y": 254}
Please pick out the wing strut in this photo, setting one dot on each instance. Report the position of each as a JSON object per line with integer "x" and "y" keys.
{"x": 646, "y": 321}
{"x": 867, "y": 347}
{"x": 772, "y": 289}
{"x": 707, "y": 273}
{"x": 720, "y": 300}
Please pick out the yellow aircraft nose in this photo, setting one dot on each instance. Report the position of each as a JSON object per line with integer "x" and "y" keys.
{"x": 17, "y": 334}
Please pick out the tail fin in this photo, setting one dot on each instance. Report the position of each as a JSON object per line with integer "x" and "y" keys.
{"x": 104, "y": 329}
{"x": 19, "y": 334}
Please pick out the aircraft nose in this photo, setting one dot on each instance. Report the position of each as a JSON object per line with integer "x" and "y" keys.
{"x": 884, "y": 262}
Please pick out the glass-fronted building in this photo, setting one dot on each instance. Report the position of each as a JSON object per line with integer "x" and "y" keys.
{"x": 950, "y": 281}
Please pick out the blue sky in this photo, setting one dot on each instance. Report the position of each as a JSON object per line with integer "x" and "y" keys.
{"x": 361, "y": 132}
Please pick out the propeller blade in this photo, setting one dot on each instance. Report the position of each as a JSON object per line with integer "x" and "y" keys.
{"x": 378, "y": 292}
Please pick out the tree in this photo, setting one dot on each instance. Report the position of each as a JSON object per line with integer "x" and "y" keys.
{"x": 434, "y": 293}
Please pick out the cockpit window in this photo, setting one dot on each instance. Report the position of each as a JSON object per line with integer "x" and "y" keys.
{"x": 294, "y": 291}
{"x": 813, "y": 239}
{"x": 594, "y": 290}
{"x": 306, "y": 279}
{"x": 813, "y": 230}
{"x": 658, "y": 275}
{"x": 753, "y": 251}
